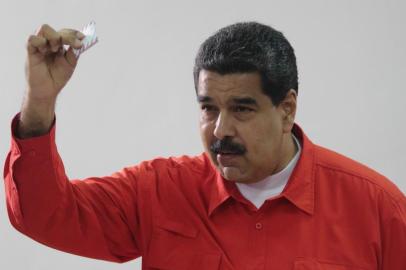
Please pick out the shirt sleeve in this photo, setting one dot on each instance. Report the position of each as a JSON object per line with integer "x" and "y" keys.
{"x": 394, "y": 235}
{"x": 95, "y": 217}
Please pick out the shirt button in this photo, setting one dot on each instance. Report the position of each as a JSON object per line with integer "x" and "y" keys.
{"x": 258, "y": 226}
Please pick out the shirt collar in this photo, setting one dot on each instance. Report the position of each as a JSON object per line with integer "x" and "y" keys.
{"x": 299, "y": 190}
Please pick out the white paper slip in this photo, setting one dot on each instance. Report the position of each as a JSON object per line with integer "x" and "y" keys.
{"x": 89, "y": 40}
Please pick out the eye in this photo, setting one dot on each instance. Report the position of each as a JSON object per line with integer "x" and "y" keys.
{"x": 207, "y": 108}
{"x": 242, "y": 109}
{"x": 208, "y": 111}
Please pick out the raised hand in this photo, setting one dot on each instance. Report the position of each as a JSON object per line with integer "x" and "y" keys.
{"x": 48, "y": 68}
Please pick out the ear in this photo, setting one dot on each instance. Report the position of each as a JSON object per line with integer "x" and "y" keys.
{"x": 288, "y": 110}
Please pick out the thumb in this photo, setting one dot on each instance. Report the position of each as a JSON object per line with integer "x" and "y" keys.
{"x": 70, "y": 57}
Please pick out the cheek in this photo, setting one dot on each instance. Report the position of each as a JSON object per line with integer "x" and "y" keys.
{"x": 262, "y": 138}
{"x": 206, "y": 132}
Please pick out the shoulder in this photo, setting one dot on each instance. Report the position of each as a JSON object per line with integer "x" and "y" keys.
{"x": 354, "y": 173}
{"x": 175, "y": 179}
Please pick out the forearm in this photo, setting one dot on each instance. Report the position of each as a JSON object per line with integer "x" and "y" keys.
{"x": 33, "y": 188}
{"x": 74, "y": 216}
{"x": 50, "y": 212}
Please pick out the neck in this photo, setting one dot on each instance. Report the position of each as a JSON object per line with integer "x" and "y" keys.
{"x": 289, "y": 150}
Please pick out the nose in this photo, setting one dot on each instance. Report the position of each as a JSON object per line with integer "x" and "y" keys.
{"x": 224, "y": 127}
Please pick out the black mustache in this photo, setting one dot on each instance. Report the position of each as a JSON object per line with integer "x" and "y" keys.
{"x": 226, "y": 145}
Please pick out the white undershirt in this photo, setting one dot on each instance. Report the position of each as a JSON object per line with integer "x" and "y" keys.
{"x": 273, "y": 185}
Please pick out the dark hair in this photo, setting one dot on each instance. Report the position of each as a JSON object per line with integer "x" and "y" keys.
{"x": 251, "y": 47}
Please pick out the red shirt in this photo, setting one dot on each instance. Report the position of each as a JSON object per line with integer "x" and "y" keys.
{"x": 179, "y": 213}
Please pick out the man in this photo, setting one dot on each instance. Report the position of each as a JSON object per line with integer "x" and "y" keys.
{"x": 262, "y": 196}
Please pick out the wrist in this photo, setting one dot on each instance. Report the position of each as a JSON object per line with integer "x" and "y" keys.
{"x": 36, "y": 117}
{"x": 42, "y": 100}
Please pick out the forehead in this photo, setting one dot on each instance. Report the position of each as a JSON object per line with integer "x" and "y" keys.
{"x": 217, "y": 86}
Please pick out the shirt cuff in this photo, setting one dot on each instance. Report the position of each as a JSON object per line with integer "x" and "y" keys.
{"x": 31, "y": 145}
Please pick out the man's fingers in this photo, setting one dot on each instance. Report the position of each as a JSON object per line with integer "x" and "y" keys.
{"x": 53, "y": 37}
{"x": 71, "y": 57}
{"x": 71, "y": 37}
{"x": 36, "y": 43}
{"x": 48, "y": 41}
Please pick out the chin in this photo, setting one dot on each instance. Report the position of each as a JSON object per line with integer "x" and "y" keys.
{"x": 232, "y": 174}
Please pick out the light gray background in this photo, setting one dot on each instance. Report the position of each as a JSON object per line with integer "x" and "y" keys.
{"x": 132, "y": 98}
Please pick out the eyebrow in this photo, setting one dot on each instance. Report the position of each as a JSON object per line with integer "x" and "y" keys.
{"x": 236, "y": 100}
{"x": 203, "y": 99}
{"x": 245, "y": 101}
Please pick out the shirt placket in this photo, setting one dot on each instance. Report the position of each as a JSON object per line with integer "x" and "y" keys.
{"x": 257, "y": 247}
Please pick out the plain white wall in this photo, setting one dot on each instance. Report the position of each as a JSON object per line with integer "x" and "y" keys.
{"x": 132, "y": 97}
